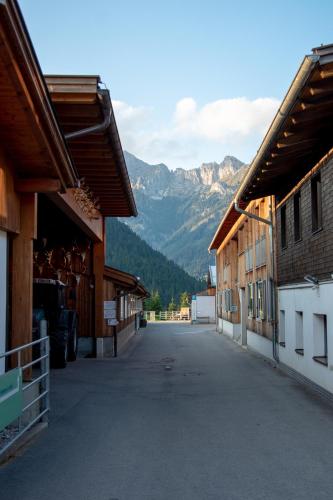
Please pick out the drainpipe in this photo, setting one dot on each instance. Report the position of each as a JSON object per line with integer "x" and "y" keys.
{"x": 107, "y": 112}
{"x": 269, "y": 222}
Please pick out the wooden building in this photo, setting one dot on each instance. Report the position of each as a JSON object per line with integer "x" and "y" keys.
{"x": 129, "y": 294}
{"x": 293, "y": 168}
{"x": 244, "y": 275}
{"x": 62, "y": 171}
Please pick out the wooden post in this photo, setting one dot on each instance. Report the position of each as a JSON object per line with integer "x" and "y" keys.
{"x": 98, "y": 263}
{"x": 22, "y": 276}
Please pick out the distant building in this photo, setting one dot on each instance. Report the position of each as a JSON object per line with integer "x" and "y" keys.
{"x": 203, "y": 305}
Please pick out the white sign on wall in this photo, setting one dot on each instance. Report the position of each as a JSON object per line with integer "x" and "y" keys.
{"x": 110, "y": 314}
{"x": 112, "y": 322}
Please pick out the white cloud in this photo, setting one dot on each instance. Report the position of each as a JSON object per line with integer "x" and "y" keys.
{"x": 195, "y": 134}
{"x": 130, "y": 117}
{"x": 220, "y": 120}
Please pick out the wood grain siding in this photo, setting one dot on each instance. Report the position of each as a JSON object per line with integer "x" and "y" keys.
{"x": 98, "y": 266}
{"x": 313, "y": 253}
{"x": 244, "y": 257}
{"x": 22, "y": 275}
{"x": 9, "y": 199}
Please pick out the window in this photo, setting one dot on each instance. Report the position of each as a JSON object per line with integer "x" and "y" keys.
{"x": 297, "y": 217}
{"x": 260, "y": 299}
{"x": 226, "y": 273}
{"x": 250, "y": 300}
{"x": 283, "y": 227}
{"x": 248, "y": 259}
{"x": 219, "y": 304}
{"x": 282, "y": 329}
{"x": 320, "y": 338}
{"x": 299, "y": 333}
{"x": 227, "y": 302}
{"x": 316, "y": 203}
{"x": 261, "y": 251}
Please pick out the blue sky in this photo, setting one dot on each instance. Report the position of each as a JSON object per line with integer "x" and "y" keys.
{"x": 191, "y": 81}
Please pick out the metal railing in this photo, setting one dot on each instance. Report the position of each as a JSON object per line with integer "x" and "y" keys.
{"x": 36, "y": 404}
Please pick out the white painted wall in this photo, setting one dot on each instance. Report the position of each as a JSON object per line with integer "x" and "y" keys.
{"x": 3, "y": 295}
{"x": 203, "y": 306}
{"x": 260, "y": 344}
{"x": 232, "y": 330}
{"x": 310, "y": 301}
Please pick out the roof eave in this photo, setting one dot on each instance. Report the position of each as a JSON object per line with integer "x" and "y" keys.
{"x": 18, "y": 33}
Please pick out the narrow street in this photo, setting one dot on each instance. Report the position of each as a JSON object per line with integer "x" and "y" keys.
{"x": 184, "y": 414}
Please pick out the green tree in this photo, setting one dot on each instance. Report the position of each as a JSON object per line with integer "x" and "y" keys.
{"x": 184, "y": 299}
{"x": 172, "y": 305}
{"x": 156, "y": 304}
{"x": 147, "y": 304}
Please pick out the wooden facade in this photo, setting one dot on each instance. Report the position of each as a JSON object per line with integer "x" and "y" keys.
{"x": 244, "y": 267}
{"x": 55, "y": 190}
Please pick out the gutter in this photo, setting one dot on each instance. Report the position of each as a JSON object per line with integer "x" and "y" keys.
{"x": 100, "y": 127}
{"x": 109, "y": 122}
{"x": 293, "y": 92}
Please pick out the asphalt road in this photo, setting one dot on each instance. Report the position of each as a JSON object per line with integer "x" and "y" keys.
{"x": 184, "y": 415}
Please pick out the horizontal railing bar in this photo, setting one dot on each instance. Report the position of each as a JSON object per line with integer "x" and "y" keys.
{"x": 42, "y": 395}
{"x": 38, "y": 379}
{"x": 22, "y": 347}
{"x": 5, "y": 448}
{"x": 34, "y": 361}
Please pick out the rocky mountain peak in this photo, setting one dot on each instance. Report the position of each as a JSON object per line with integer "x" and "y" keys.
{"x": 159, "y": 181}
{"x": 179, "y": 210}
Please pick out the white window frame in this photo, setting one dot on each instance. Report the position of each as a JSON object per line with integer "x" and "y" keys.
{"x": 250, "y": 299}
{"x": 261, "y": 299}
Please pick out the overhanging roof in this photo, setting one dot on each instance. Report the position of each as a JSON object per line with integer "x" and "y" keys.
{"x": 29, "y": 129}
{"x": 298, "y": 138}
{"x": 81, "y": 102}
{"x": 230, "y": 218}
{"x": 126, "y": 281}
{"x": 300, "y": 134}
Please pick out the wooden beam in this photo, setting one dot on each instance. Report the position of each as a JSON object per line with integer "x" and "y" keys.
{"x": 98, "y": 269}
{"x": 311, "y": 116}
{"x": 22, "y": 275}
{"x": 291, "y": 142}
{"x": 40, "y": 185}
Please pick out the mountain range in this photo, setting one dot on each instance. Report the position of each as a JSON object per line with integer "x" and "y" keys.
{"x": 179, "y": 210}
